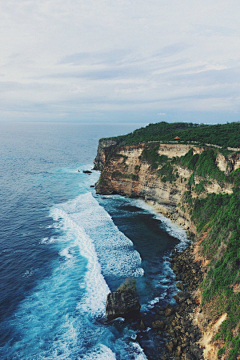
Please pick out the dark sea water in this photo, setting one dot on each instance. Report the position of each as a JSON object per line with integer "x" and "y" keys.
{"x": 63, "y": 248}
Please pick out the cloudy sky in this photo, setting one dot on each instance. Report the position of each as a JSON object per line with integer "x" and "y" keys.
{"x": 122, "y": 60}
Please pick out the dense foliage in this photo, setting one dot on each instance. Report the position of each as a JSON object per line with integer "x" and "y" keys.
{"x": 225, "y": 135}
{"x": 203, "y": 164}
{"x": 221, "y": 213}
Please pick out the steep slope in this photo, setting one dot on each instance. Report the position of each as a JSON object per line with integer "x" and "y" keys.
{"x": 198, "y": 188}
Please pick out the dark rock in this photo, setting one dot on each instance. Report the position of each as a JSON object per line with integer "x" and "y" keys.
{"x": 87, "y": 172}
{"x": 142, "y": 325}
{"x": 170, "y": 346}
{"x": 123, "y": 302}
{"x": 168, "y": 312}
{"x": 181, "y": 296}
{"x": 158, "y": 324}
{"x": 179, "y": 350}
{"x": 189, "y": 357}
{"x": 179, "y": 285}
{"x": 91, "y": 186}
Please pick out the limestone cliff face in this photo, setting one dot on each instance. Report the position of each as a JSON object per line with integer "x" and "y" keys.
{"x": 125, "y": 172}
{"x": 130, "y": 171}
{"x": 104, "y": 148}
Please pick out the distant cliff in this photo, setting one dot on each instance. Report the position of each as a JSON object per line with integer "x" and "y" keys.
{"x": 198, "y": 188}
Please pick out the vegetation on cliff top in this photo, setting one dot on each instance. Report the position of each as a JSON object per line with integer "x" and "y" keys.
{"x": 225, "y": 135}
{"x": 219, "y": 214}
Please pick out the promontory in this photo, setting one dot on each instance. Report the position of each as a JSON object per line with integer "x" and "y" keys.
{"x": 191, "y": 174}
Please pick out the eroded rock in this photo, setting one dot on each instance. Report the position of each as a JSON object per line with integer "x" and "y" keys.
{"x": 124, "y": 302}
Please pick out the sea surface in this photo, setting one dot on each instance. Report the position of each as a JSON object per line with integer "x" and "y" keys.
{"x": 63, "y": 249}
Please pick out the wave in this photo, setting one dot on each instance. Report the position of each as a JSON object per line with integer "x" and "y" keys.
{"x": 59, "y": 320}
{"x": 114, "y": 250}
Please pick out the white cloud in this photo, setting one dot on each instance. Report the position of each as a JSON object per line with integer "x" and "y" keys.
{"x": 84, "y": 57}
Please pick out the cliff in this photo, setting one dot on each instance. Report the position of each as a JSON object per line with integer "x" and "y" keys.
{"x": 190, "y": 184}
{"x": 127, "y": 172}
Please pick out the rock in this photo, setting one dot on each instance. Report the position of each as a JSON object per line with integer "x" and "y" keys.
{"x": 158, "y": 324}
{"x": 168, "y": 312}
{"x": 87, "y": 172}
{"x": 189, "y": 302}
{"x": 123, "y": 302}
{"x": 91, "y": 186}
{"x": 181, "y": 296}
{"x": 170, "y": 346}
{"x": 142, "y": 325}
{"x": 179, "y": 350}
{"x": 179, "y": 285}
{"x": 189, "y": 357}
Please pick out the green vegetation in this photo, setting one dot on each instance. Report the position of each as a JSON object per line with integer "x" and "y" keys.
{"x": 124, "y": 157}
{"x": 199, "y": 188}
{"x": 129, "y": 285}
{"x": 118, "y": 174}
{"x": 167, "y": 174}
{"x": 191, "y": 180}
{"x": 225, "y": 135}
{"x": 220, "y": 214}
{"x": 166, "y": 171}
{"x": 203, "y": 164}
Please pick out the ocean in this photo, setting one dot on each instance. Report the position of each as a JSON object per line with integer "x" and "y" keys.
{"x": 63, "y": 249}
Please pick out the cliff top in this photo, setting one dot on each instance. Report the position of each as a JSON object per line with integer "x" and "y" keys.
{"x": 224, "y": 135}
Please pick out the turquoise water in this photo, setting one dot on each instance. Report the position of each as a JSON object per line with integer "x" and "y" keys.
{"x": 63, "y": 248}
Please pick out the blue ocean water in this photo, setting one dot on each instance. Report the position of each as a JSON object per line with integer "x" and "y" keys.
{"x": 63, "y": 248}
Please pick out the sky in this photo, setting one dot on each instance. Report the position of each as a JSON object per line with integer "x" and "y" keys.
{"x": 120, "y": 61}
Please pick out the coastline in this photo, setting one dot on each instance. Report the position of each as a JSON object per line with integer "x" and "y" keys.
{"x": 164, "y": 177}
{"x": 174, "y": 320}
{"x": 177, "y": 320}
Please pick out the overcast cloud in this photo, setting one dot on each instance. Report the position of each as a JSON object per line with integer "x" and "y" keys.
{"x": 120, "y": 60}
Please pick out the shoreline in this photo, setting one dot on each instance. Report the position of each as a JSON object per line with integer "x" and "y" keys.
{"x": 172, "y": 322}
{"x": 176, "y": 320}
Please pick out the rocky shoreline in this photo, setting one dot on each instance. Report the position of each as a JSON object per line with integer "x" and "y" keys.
{"x": 125, "y": 172}
{"x": 178, "y": 321}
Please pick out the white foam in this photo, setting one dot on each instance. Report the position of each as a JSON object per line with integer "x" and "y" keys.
{"x": 108, "y": 251}
{"x": 100, "y": 353}
{"x": 94, "y": 299}
{"x": 44, "y": 240}
{"x": 114, "y": 250}
{"x": 65, "y": 253}
{"x": 139, "y": 353}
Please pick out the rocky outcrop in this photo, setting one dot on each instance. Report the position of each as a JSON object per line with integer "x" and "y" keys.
{"x": 227, "y": 164}
{"x": 104, "y": 148}
{"x": 126, "y": 172}
{"x": 124, "y": 302}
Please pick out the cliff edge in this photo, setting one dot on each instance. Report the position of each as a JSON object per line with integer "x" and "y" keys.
{"x": 197, "y": 187}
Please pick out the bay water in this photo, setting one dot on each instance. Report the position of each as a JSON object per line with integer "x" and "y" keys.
{"x": 63, "y": 248}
